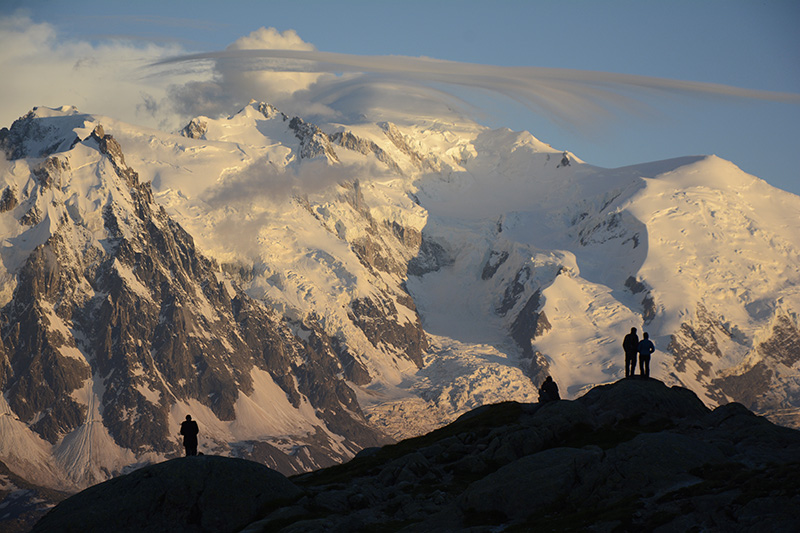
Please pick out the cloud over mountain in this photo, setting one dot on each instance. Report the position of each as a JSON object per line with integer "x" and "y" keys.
{"x": 159, "y": 84}
{"x": 571, "y": 96}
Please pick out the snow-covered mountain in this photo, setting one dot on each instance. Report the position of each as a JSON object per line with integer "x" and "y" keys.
{"x": 308, "y": 290}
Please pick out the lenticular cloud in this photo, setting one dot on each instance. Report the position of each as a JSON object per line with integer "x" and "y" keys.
{"x": 564, "y": 94}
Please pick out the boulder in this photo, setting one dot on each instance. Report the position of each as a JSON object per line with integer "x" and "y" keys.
{"x": 524, "y": 487}
{"x": 644, "y": 401}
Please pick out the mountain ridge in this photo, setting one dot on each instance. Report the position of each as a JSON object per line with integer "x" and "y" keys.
{"x": 337, "y": 286}
{"x": 187, "y": 313}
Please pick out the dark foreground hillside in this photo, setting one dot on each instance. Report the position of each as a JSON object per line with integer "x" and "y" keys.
{"x": 631, "y": 456}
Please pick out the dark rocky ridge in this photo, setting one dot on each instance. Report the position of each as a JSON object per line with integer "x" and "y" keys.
{"x": 44, "y": 132}
{"x": 195, "y": 129}
{"x": 529, "y": 324}
{"x": 313, "y": 141}
{"x": 631, "y": 456}
{"x": 133, "y": 306}
{"x": 751, "y": 383}
{"x": 347, "y": 139}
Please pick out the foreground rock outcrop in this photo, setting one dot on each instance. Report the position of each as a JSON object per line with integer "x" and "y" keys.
{"x": 200, "y": 493}
{"x": 631, "y": 456}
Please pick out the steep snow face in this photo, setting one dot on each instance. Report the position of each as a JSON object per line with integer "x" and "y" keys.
{"x": 436, "y": 267}
{"x": 723, "y": 257}
{"x": 89, "y": 453}
{"x": 700, "y": 254}
{"x": 720, "y": 237}
{"x": 26, "y": 452}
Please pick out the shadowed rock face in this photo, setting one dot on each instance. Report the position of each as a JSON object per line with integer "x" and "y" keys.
{"x": 143, "y": 312}
{"x": 632, "y": 456}
{"x": 201, "y": 493}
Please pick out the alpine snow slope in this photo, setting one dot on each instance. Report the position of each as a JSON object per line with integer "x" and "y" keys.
{"x": 308, "y": 290}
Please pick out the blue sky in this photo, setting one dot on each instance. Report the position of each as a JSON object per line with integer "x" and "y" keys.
{"x": 747, "y": 44}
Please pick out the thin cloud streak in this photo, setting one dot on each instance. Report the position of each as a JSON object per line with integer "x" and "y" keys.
{"x": 573, "y": 95}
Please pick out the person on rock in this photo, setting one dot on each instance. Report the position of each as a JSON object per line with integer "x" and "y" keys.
{"x": 548, "y": 391}
{"x": 646, "y": 347}
{"x": 189, "y": 430}
{"x": 631, "y": 345}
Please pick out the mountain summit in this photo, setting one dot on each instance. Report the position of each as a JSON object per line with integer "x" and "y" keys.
{"x": 308, "y": 290}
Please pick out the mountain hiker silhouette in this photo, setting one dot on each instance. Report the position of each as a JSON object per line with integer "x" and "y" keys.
{"x": 630, "y": 344}
{"x": 548, "y": 391}
{"x": 189, "y": 430}
{"x": 646, "y": 347}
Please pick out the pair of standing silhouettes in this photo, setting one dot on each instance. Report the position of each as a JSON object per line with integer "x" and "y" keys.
{"x": 633, "y": 347}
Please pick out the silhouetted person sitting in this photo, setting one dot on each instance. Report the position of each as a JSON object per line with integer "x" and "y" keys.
{"x": 548, "y": 391}
{"x": 189, "y": 430}
{"x": 646, "y": 347}
{"x": 630, "y": 344}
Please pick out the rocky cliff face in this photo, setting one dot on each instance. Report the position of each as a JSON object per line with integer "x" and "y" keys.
{"x": 630, "y": 456}
{"x": 117, "y": 324}
{"x": 32, "y": 137}
{"x": 765, "y": 381}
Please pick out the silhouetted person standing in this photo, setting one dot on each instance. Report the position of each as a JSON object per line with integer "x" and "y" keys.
{"x": 646, "y": 347}
{"x": 630, "y": 344}
{"x": 189, "y": 430}
{"x": 548, "y": 391}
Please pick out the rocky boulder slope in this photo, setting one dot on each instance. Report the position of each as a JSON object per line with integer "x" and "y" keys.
{"x": 200, "y": 493}
{"x": 633, "y": 455}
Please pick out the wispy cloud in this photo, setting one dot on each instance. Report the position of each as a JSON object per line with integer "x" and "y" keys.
{"x": 160, "y": 85}
{"x": 261, "y": 182}
{"x": 574, "y": 96}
